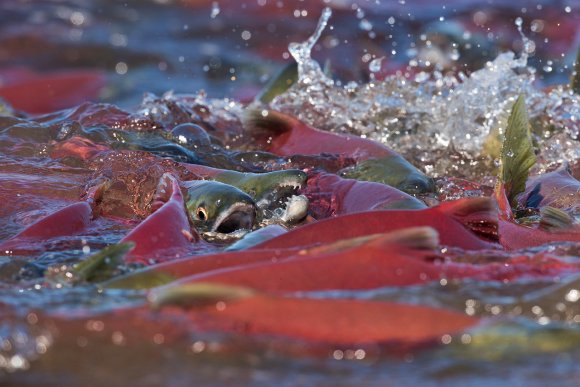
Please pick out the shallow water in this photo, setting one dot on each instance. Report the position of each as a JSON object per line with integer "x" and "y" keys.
{"x": 529, "y": 334}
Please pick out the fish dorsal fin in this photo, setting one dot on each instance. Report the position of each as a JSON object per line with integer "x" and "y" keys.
{"x": 263, "y": 122}
{"x": 197, "y": 294}
{"x": 412, "y": 237}
{"x": 420, "y": 238}
{"x": 95, "y": 268}
{"x": 517, "y": 153}
{"x": 554, "y": 219}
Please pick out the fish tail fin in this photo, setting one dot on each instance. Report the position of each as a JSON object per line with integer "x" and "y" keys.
{"x": 267, "y": 123}
{"x": 479, "y": 215}
{"x": 419, "y": 238}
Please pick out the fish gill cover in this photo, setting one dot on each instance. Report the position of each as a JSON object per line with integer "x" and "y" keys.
{"x": 338, "y": 223}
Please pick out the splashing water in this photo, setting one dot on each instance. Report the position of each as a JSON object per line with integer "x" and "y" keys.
{"x": 423, "y": 117}
{"x": 309, "y": 70}
{"x": 447, "y": 124}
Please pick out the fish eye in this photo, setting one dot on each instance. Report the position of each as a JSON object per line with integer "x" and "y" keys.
{"x": 201, "y": 213}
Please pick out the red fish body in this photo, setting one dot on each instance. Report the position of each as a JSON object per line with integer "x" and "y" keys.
{"x": 46, "y": 92}
{"x": 292, "y": 137}
{"x": 70, "y": 220}
{"x": 378, "y": 262}
{"x": 513, "y": 236}
{"x": 331, "y": 195}
{"x": 313, "y": 322}
{"x": 450, "y": 219}
{"x": 333, "y": 321}
{"x": 166, "y": 231}
{"x": 374, "y": 264}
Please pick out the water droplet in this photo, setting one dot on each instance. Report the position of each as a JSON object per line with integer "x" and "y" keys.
{"x": 215, "y": 9}
{"x": 246, "y": 35}
{"x": 376, "y": 64}
{"x": 365, "y": 25}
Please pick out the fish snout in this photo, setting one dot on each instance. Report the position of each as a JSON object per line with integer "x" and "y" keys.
{"x": 416, "y": 185}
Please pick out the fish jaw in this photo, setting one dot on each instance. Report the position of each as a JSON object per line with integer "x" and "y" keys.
{"x": 225, "y": 207}
{"x": 238, "y": 216}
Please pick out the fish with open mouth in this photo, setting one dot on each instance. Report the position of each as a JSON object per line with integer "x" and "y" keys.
{"x": 276, "y": 193}
{"x": 217, "y": 207}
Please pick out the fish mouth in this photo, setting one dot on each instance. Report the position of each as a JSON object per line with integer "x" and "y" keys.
{"x": 237, "y": 217}
{"x": 278, "y": 197}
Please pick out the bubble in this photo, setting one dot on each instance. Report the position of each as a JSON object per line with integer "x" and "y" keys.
{"x": 77, "y": 18}
{"x": 121, "y": 68}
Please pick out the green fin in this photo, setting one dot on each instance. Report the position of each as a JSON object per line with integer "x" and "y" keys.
{"x": 554, "y": 219}
{"x": 196, "y": 294}
{"x": 576, "y": 75}
{"x": 98, "y": 267}
{"x": 137, "y": 280}
{"x": 280, "y": 83}
{"x": 517, "y": 153}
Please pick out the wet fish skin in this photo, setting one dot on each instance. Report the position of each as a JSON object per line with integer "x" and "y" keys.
{"x": 453, "y": 221}
{"x": 273, "y": 192}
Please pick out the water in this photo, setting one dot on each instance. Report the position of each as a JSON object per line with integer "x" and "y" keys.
{"x": 530, "y": 333}
{"x": 430, "y": 114}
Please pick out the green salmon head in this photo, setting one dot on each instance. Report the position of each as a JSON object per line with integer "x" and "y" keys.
{"x": 394, "y": 171}
{"x": 267, "y": 187}
{"x": 218, "y": 207}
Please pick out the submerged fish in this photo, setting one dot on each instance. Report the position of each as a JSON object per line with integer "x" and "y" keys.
{"x": 214, "y": 206}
